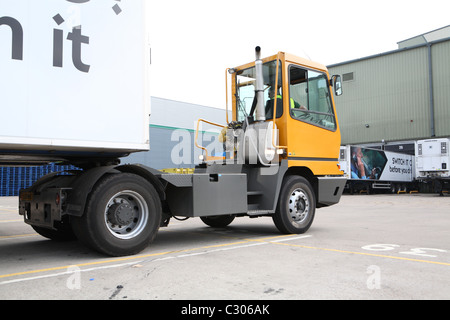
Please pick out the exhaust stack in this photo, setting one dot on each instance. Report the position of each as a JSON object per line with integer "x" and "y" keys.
{"x": 259, "y": 87}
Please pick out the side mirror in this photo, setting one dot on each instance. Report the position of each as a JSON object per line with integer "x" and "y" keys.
{"x": 337, "y": 84}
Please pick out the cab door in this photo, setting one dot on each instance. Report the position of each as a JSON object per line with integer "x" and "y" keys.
{"x": 313, "y": 132}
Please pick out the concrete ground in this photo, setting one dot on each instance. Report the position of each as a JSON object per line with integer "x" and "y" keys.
{"x": 366, "y": 247}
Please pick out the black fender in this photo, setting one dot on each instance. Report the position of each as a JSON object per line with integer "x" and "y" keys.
{"x": 151, "y": 175}
{"x": 82, "y": 187}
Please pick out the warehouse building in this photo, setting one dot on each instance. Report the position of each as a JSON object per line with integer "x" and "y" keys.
{"x": 172, "y": 134}
{"x": 397, "y": 96}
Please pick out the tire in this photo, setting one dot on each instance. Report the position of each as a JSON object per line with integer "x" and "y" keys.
{"x": 218, "y": 221}
{"x": 296, "y": 206}
{"x": 122, "y": 216}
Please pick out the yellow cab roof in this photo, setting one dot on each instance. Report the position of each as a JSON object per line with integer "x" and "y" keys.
{"x": 290, "y": 58}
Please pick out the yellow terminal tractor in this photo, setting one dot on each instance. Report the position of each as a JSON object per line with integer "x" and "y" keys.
{"x": 282, "y": 143}
{"x": 280, "y": 160}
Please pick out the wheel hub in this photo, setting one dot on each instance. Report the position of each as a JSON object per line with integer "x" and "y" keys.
{"x": 298, "y": 206}
{"x": 126, "y": 214}
{"x": 120, "y": 214}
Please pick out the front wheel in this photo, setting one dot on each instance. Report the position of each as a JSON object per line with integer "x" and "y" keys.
{"x": 296, "y": 206}
{"x": 122, "y": 215}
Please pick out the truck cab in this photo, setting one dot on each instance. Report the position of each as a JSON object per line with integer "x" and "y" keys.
{"x": 284, "y": 137}
{"x": 298, "y": 98}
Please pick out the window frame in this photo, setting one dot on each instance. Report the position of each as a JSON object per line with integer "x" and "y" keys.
{"x": 333, "y": 114}
{"x": 280, "y": 79}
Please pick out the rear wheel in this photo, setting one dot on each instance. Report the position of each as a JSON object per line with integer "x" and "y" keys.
{"x": 296, "y": 206}
{"x": 122, "y": 215}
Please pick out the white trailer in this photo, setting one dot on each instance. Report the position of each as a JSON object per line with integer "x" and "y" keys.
{"x": 432, "y": 162}
{"x": 74, "y": 80}
{"x": 74, "y": 89}
{"x": 367, "y": 169}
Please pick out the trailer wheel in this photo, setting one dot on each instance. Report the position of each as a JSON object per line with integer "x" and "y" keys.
{"x": 218, "y": 221}
{"x": 122, "y": 215}
{"x": 296, "y": 206}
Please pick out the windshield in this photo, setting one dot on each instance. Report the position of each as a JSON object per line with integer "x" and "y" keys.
{"x": 245, "y": 92}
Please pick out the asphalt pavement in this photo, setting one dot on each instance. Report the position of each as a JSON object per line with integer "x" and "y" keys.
{"x": 367, "y": 247}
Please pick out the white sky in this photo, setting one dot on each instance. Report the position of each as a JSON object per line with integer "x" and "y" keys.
{"x": 194, "y": 41}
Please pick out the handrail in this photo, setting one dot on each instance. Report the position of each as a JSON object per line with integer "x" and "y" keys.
{"x": 212, "y": 123}
{"x": 275, "y": 106}
{"x": 196, "y": 133}
{"x": 226, "y": 93}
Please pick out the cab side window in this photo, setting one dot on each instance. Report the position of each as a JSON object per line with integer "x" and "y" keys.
{"x": 310, "y": 99}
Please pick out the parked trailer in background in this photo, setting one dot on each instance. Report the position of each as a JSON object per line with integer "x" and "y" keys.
{"x": 369, "y": 169}
{"x": 432, "y": 163}
{"x": 426, "y": 169}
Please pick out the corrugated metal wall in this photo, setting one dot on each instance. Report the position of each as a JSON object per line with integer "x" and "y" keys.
{"x": 440, "y": 54}
{"x": 389, "y": 96}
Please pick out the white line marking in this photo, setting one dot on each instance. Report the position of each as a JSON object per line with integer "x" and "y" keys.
{"x": 221, "y": 249}
{"x": 69, "y": 272}
{"x": 294, "y": 238}
{"x": 158, "y": 259}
